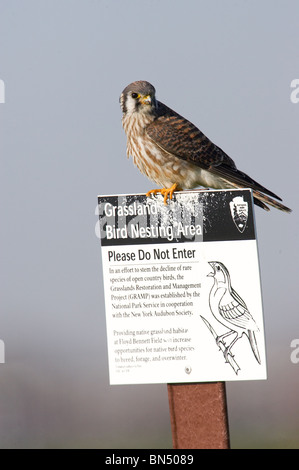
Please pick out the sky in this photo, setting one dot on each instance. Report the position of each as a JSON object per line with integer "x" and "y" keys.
{"x": 227, "y": 66}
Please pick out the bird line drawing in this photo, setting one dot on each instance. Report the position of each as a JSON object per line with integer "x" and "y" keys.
{"x": 229, "y": 309}
{"x": 175, "y": 154}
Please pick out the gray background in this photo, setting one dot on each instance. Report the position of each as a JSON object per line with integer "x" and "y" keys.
{"x": 225, "y": 65}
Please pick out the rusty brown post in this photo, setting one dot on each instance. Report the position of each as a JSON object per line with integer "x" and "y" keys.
{"x": 198, "y": 415}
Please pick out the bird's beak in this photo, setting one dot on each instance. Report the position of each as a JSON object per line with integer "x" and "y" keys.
{"x": 213, "y": 273}
{"x": 146, "y": 99}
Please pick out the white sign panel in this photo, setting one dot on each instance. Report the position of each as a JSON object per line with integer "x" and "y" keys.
{"x": 182, "y": 288}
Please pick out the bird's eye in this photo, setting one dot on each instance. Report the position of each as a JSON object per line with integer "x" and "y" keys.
{"x": 135, "y": 95}
{"x": 218, "y": 267}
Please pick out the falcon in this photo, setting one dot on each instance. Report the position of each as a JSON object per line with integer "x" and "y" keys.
{"x": 230, "y": 309}
{"x": 175, "y": 154}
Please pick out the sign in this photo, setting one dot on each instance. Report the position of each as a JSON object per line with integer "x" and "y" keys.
{"x": 182, "y": 287}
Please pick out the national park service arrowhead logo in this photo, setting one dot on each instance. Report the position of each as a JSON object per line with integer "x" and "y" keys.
{"x": 239, "y": 212}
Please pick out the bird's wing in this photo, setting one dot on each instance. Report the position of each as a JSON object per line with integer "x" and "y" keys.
{"x": 178, "y": 136}
{"x": 234, "y": 310}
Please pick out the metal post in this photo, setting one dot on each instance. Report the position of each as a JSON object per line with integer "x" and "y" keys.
{"x": 198, "y": 415}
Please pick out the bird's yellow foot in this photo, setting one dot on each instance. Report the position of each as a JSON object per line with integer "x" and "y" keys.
{"x": 164, "y": 191}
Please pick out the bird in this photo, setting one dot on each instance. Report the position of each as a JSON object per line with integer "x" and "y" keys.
{"x": 173, "y": 153}
{"x": 230, "y": 310}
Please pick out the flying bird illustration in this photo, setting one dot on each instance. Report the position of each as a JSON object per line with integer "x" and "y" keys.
{"x": 230, "y": 310}
{"x": 175, "y": 154}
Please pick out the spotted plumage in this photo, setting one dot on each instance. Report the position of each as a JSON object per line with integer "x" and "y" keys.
{"x": 175, "y": 154}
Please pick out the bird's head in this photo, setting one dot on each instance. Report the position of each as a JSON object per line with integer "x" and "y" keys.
{"x": 220, "y": 272}
{"x": 138, "y": 97}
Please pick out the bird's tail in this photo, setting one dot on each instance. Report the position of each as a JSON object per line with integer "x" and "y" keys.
{"x": 238, "y": 179}
{"x": 262, "y": 200}
{"x": 253, "y": 344}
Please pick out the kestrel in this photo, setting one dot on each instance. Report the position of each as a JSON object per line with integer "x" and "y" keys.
{"x": 175, "y": 154}
{"x": 230, "y": 310}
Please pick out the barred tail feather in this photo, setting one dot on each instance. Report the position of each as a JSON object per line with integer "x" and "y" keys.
{"x": 263, "y": 201}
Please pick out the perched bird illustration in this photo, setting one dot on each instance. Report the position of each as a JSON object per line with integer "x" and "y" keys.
{"x": 230, "y": 310}
{"x": 175, "y": 154}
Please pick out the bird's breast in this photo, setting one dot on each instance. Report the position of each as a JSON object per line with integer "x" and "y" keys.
{"x": 216, "y": 295}
{"x": 160, "y": 166}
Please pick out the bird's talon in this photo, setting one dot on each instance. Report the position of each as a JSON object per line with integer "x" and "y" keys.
{"x": 152, "y": 191}
{"x": 164, "y": 192}
{"x": 227, "y": 353}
